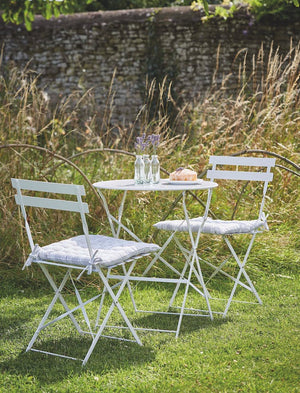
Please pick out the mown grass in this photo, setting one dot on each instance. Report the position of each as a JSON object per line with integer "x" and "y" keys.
{"x": 255, "y": 348}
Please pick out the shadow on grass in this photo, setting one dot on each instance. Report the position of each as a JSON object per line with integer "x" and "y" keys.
{"x": 108, "y": 355}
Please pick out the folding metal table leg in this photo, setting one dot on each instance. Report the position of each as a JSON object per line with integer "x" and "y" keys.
{"x": 184, "y": 297}
{"x": 199, "y": 277}
{"x": 195, "y": 243}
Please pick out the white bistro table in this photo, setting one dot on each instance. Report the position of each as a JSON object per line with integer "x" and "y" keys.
{"x": 192, "y": 260}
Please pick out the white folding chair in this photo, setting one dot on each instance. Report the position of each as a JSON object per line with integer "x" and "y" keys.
{"x": 91, "y": 253}
{"x": 227, "y": 168}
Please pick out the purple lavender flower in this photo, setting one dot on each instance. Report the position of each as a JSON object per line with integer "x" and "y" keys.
{"x": 141, "y": 144}
{"x": 154, "y": 140}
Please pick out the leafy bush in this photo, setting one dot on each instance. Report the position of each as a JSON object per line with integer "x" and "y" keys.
{"x": 25, "y": 11}
{"x": 280, "y": 8}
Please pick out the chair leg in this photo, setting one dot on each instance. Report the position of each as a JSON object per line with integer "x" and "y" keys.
{"x": 130, "y": 290}
{"x": 51, "y": 305}
{"x": 69, "y": 312}
{"x": 115, "y": 303}
{"x": 62, "y": 300}
{"x": 101, "y": 302}
{"x": 241, "y": 271}
{"x": 158, "y": 254}
{"x": 83, "y": 310}
{"x": 218, "y": 269}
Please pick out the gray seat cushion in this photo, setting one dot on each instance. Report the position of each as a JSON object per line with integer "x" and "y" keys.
{"x": 217, "y": 227}
{"x": 110, "y": 251}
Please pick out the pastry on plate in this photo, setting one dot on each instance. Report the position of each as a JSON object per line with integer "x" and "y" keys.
{"x": 182, "y": 174}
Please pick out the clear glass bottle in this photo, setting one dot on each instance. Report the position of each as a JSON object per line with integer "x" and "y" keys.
{"x": 155, "y": 168}
{"x": 148, "y": 172}
{"x": 139, "y": 170}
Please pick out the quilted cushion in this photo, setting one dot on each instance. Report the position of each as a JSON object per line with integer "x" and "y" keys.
{"x": 217, "y": 227}
{"x": 110, "y": 251}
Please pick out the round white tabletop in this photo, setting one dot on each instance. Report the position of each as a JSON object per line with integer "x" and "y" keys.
{"x": 163, "y": 185}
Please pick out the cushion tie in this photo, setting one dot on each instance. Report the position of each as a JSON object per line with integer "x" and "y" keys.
{"x": 264, "y": 220}
{"x": 90, "y": 265}
{"x": 32, "y": 256}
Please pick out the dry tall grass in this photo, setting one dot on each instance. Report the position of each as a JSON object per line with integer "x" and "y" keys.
{"x": 262, "y": 115}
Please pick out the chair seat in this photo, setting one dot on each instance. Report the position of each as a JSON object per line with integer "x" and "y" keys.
{"x": 217, "y": 227}
{"x": 110, "y": 251}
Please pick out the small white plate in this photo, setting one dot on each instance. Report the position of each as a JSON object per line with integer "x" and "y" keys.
{"x": 180, "y": 182}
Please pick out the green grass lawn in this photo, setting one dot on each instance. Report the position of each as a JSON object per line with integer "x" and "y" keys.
{"x": 254, "y": 349}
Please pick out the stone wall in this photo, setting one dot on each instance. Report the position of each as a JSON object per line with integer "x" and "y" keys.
{"x": 83, "y": 51}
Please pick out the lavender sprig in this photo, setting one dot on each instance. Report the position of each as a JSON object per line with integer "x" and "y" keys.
{"x": 154, "y": 140}
{"x": 141, "y": 144}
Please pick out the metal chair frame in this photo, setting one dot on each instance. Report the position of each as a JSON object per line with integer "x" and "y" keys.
{"x": 82, "y": 208}
{"x": 264, "y": 175}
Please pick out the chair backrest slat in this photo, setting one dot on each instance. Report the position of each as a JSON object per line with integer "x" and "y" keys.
{"x": 48, "y": 203}
{"x": 259, "y": 170}
{"x": 239, "y": 175}
{"x": 247, "y": 161}
{"x": 58, "y": 188}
